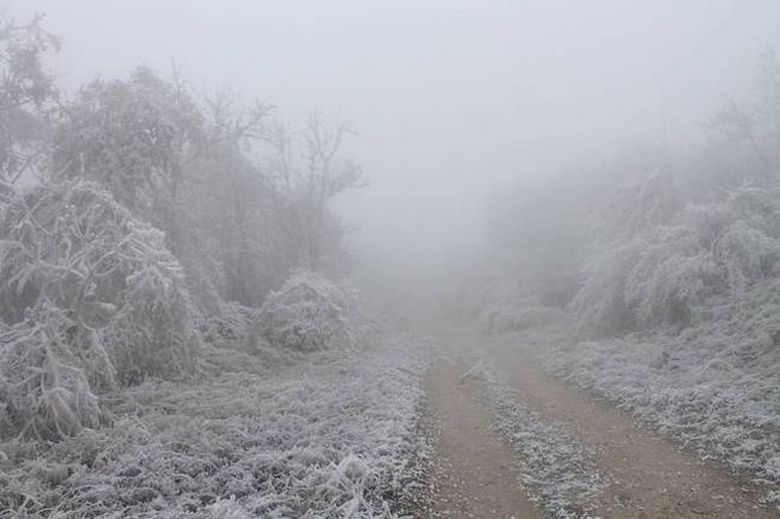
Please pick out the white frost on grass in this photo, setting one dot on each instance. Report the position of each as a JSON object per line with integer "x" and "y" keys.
{"x": 701, "y": 388}
{"x": 557, "y": 471}
{"x": 333, "y": 435}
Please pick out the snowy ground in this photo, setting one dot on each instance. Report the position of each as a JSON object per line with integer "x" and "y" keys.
{"x": 696, "y": 389}
{"x": 330, "y": 434}
{"x": 556, "y": 471}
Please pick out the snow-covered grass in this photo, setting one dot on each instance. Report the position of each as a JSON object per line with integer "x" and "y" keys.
{"x": 557, "y": 471}
{"x": 328, "y": 434}
{"x": 704, "y": 388}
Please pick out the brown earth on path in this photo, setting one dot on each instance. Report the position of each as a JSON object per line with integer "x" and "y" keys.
{"x": 474, "y": 471}
{"x": 650, "y": 476}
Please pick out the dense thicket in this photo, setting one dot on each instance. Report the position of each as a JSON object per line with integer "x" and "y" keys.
{"x": 136, "y": 221}
{"x": 90, "y": 297}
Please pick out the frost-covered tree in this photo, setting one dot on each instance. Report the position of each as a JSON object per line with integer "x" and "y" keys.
{"x": 303, "y": 189}
{"x": 26, "y": 95}
{"x": 131, "y": 136}
{"x": 152, "y": 210}
{"x": 755, "y": 125}
{"x": 225, "y": 206}
{"x": 90, "y": 298}
{"x": 238, "y": 205}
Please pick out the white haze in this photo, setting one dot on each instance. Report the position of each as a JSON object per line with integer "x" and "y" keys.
{"x": 452, "y": 99}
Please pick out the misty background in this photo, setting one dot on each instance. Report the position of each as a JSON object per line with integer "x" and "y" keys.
{"x": 451, "y": 101}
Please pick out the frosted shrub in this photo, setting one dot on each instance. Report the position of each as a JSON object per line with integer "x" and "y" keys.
{"x": 600, "y": 304}
{"x": 495, "y": 319}
{"x": 90, "y": 298}
{"x": 667, "y": 275}
{"x": 308, "y": 313}
{"x": 670, "y": 278}
{"x": 230, "y": 324}
{"x": 748, "y": 255}
{"x": 500, "y": 319}
{"x": 43, "y": 390}
{"x": 757, "y": 207}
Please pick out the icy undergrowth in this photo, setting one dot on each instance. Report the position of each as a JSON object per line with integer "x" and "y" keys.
{"x": 331, "y": 435}
{"x": 557, "y": 471}
{"x": 701, "y": 391}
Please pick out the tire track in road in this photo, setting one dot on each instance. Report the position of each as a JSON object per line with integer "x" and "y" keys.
{"x": 474, "y": 471}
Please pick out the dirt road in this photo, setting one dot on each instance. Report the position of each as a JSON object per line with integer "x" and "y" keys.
{"x": 650, "y": 477}
{"x": 475, "y": 474}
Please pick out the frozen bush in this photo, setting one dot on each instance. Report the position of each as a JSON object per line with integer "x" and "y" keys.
{"x": 748, "y": 255}
{"x": 230, "y": 325}
{"x": 43, "y": 390}
{"x": 537, "y": 316}
{"x": 667, "y": 274}
{"x": 90, "y": 298}
{"x": 505, "y": 319}
{"x": 495, "y": 319}
{"x": 669, "y": 279}
{"x": 308, "y": 313}
{"x": 600, "y": 304}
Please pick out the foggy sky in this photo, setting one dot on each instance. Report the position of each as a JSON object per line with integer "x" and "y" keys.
{"x": 452, "y": 98}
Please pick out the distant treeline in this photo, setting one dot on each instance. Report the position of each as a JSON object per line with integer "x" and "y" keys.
{"x": 653, "y": 238}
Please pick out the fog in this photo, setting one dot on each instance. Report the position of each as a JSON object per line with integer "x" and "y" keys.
{"x": 451, "y": 100}
{"x": 401, "y": 259}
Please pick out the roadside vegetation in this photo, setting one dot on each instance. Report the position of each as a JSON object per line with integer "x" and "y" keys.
{"x": 657, "y": 273}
